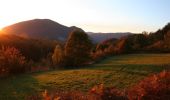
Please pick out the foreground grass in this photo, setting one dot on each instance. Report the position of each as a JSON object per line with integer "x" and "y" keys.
{"x": 119, "y": 71}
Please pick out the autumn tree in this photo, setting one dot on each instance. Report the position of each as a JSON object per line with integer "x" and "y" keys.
{"x": 11, "y": 61}
{"x": 58, "y": 56}
{"x": 122, "y": 46}
{"x": 77, "y": 48}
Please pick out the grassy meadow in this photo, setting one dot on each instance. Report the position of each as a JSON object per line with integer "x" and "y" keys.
{"x": 119, "y": 71}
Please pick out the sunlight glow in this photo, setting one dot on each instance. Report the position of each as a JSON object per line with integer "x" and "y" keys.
{"x": 91, "y": 15}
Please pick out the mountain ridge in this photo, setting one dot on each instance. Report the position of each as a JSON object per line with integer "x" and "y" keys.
{"x": 40, "y": 28}
{"x": 49, "y": 29}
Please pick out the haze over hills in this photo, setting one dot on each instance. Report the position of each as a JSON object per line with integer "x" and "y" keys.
{"x": 40, "y": 28}
{"x": 99, "y": 37}
{"x": 48, "y": 29}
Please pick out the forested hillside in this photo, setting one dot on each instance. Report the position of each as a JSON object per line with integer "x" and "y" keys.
{"x": 32, "y": 49}
{"x": 157, "y": 42}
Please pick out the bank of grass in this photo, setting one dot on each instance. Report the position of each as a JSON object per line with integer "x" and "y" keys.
{"x": 119, "y": 71}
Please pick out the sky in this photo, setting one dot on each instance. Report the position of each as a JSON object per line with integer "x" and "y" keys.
{"x": 91, "y": 15}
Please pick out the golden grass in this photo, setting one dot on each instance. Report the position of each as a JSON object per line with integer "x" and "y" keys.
{"x": 119, "y": 71}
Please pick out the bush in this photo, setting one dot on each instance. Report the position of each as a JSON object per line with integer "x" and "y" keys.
{"x": 156, "y": 87}
{"x": 11, "y": 61}
{"x": 107, "y": 93}
{"x": 98, "y": 92}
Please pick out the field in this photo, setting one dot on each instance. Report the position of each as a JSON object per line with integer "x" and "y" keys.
{"x": 118, "y": 71}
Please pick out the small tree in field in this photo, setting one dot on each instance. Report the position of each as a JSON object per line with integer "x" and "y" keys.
{"x": 77, "y": 48}
{"x": 11, "y": 61}
{"x": 58, "y": 56}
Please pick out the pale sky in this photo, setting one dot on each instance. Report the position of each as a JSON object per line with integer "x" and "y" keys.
{"x": 90, "y": 15}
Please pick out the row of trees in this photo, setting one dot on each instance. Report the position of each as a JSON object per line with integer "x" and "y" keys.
{"x": 145, "y": 42}
{"x": 75, "y": 52}
{"x": 79, "y": 45}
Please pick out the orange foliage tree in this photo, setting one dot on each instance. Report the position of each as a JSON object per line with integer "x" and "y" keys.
{"x": 11, "y": 61}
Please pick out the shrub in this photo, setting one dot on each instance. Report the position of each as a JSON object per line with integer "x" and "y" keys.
{"x": 96, "y": 93}
{"x": 11, "y": 61}
{"x": 107, "y": 93}
{"x": 64, "y": 95}
{"x": 156, "y": 87}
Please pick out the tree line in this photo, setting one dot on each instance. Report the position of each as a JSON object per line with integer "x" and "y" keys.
{"x": 157, "y": 42}
{"x": 77, "y": 51}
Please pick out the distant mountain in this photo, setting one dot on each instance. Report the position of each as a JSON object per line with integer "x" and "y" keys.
{"x": 40, "y": 28}
{"x": 48, "y": 29}
{"x": 99, "y": 37}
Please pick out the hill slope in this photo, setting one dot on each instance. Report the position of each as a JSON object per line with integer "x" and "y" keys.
{"x": 32, "y": 49}
{"x": 48, "y": 29}
{"x": 39, "y": 28}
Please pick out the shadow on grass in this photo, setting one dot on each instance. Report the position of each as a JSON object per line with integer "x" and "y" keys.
{"x": 18, "y": 87}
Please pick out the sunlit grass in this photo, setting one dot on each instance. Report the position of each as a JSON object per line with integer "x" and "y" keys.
{"x": 119, "y": 71}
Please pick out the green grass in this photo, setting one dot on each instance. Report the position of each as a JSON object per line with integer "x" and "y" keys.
{"x": 118, "y": 71}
